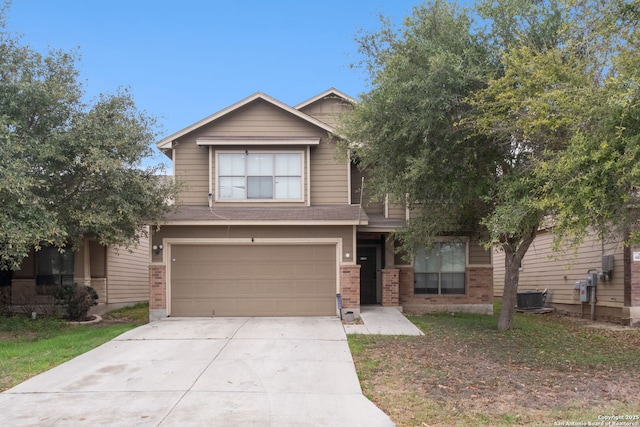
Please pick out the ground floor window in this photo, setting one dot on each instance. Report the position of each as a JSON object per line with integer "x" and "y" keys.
{"x": 53, "y": 269}
{"x": 441, "y": 270}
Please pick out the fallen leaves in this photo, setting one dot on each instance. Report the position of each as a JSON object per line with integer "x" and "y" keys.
{"x": 484, "y": 378}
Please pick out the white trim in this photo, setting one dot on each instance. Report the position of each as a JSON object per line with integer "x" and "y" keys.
{"x": 167, "y": 243}
{"x": 365, "y": 228}
{"x": 348, "y": 178}
{"x": 249, "y": 240}
{"x": 308, "y": 175}
{"x": 216, "y": 195}
{"x": 386, "y": 205}
{"x": 210, "y": 195}
{"x": 243, "y": 142}
{"x": 218, "y": 221}
{"x": 330, "y": 91}
{"x": 407, "y": 211}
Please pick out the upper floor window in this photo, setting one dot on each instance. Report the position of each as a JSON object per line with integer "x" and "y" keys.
{"x": 259, "y": 176}
{"x": 441, "y": 270}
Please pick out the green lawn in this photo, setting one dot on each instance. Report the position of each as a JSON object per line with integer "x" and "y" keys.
{"x": 28, "y": 347}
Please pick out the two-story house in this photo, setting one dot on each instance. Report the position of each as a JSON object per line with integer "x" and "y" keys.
{"x": 273, "y": 223}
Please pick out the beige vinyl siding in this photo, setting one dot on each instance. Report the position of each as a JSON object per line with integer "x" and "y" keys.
{"x": 369, "y": 205}
{"x": 397, "y": 211}
{"x": 558, "y": 272}
{"x": 128, "y": 273}
{"x": 327, "y": 110}
{"x": 192, "y": 167}
{"x": 237, "y": 232}
{"x": 261, "y": 119}
{"x": 329, "y": 177}
{"x": 478, "y": 255}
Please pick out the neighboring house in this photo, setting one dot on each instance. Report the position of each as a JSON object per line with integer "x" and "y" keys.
{"x": 120, "y": 276}
{"x": 270, "y": 224}
{"x": 617, "y": 270}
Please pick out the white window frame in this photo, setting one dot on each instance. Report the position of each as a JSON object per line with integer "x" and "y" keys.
{"x": 440, "y": 272}
{"x": 246, "y": 199}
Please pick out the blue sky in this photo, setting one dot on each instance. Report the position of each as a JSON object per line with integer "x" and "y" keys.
{"x": 184, "y": 60}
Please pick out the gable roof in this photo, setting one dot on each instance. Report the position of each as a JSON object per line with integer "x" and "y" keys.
{"x": 328, "y": 92}
{"x": 167, "y": 142}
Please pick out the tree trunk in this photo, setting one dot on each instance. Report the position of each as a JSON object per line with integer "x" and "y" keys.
{"x": 510, "y": 291}
{"x": 513, "y": 254}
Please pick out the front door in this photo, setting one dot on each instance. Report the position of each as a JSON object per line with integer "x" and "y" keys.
{"x": 367, "y": 259}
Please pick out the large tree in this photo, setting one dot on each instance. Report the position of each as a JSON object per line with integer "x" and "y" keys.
{"x": 481, "y": 126}
{"x": 67, "y": 168}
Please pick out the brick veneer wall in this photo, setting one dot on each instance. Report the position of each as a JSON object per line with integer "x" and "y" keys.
{"x": 350, "y": 285}
{"x": 157, "y": 287}
{"x": 390, "y": 287}
{"x": 479, "y": 291}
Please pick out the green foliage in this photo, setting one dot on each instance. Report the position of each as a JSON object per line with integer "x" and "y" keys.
{"x": 410, "y": 118}
{"x": 138, "y": 313}
{"x": 29, "y": 347}
{"x": 68, "y": 168}
{"x": 533, "y": 117}
{"x": 20, "y": 328}
{"x": 76, "y": 300}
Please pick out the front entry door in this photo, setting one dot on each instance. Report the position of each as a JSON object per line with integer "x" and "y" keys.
{"x": 367, "y": 259}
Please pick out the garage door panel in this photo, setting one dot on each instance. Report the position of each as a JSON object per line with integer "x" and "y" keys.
{"x": 222, "y": 306}
{"x": 253, "y": 280}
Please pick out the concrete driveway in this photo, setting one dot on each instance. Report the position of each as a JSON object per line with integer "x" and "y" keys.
{"x": 203, "y": 372}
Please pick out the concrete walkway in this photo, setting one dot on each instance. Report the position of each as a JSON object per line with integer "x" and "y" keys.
{"x": 203, "y": 372}
{"x": 382, "y": 321}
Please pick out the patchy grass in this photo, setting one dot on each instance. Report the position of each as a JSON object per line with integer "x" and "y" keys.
{"x": 464, "y": 372}
{"x": 29, "y": 347}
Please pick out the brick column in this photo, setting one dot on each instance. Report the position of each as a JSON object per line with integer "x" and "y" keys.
{"x": 157, "y": 287}
{"x": 390, "y": 287}
{"x": 480, "y": 285}
{"x": 350, "y": 285}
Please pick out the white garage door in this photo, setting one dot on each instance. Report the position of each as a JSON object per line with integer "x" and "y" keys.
{"x": 253, "y": 280}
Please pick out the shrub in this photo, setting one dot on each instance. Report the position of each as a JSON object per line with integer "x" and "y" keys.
{"x": 76, "y": 300}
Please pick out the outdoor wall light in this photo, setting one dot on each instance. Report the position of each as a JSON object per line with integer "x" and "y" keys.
{"x": 157, "y": 248}
{"x": 347, "y": 255}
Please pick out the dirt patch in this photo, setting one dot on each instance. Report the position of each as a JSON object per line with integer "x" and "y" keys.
{"x": 465, "y": 379}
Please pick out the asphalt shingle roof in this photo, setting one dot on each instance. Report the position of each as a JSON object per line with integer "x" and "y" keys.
{"x": 337, "y": 213}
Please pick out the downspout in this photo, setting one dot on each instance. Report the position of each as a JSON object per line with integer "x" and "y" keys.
{"x": 593, "y": 303}
{"x": 593, "y": 292}
{"x": 210, "y": 195}
{"x": 361, "y": 192}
